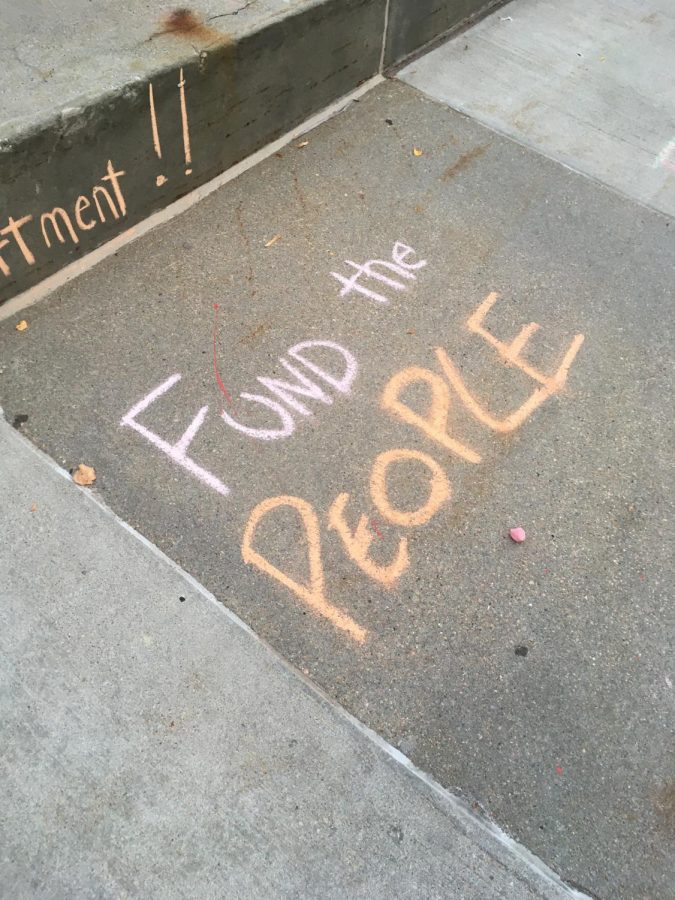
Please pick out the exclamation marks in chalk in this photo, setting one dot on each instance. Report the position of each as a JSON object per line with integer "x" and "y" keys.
{"x": 161, "y": 179}
{"x": 185, "y": 129}
{"x": 185, "y": 126}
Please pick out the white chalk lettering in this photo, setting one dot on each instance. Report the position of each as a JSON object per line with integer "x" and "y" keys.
{"x": 400, "y": 252}
{"x": 176, "y": 452}
{"x": 307, "y": 388}
{"x": 345, "y": 381}
{"x": 352, "y": 283}
{"x": 264, "y": 434}
{"x": 304, "y": 387}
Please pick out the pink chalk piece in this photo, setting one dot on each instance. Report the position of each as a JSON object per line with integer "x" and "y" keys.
{"x": 518, "y": 534}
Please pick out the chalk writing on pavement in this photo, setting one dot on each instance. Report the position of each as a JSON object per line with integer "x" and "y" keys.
{"x": 310, "y": 387}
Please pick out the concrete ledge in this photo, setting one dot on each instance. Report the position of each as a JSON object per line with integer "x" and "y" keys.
{"x": 131, "y": 113}
{"x": 414, "y": 23}
{"x": 239, "y": 94}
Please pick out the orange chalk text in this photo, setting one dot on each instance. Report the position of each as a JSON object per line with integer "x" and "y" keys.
{"x": 26, "y": 237}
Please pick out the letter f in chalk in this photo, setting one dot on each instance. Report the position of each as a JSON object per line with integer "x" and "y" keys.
{"x": 176, "y": 452}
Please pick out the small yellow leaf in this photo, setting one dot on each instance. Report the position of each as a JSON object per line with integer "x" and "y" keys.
{"x": 22, "y": 325}
{"x": 272, "y": 241}
{"x": 84, "y": 475}
{"x": 302, "y": 144}
{"x": 417, "y": 151}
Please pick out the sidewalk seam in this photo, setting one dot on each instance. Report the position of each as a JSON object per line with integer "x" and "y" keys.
{"x": 384, "y": 36}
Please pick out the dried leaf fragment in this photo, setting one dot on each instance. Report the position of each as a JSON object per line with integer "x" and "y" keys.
{"x": 303, "y": 144}
{"x": 33, "y": 507}
{"x": 417, "y": 151}
{"x": 84, "y": 475}
{"x": 22, "y": 325}
{"x": 272, "y": 241}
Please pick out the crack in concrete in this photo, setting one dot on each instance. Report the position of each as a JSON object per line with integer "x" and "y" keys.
{"x": 235, "y": 12}
{"x": 45, "y": 74}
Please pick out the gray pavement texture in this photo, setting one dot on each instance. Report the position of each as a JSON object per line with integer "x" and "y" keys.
{"x": 593, "y": 87}
{"x": 534, "y": 679}
{"x": 152, "y": 746}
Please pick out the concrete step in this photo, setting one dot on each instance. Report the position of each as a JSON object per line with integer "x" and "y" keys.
{"x": 117, "y": 109}
{"x": 330, "y": 389}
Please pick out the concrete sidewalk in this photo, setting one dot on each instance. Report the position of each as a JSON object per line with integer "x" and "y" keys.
{"x": 591, "y": 84}
{"x": 152, "y": 746}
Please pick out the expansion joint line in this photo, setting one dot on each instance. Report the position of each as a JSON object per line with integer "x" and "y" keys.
{"x": 384, "y": 36}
